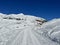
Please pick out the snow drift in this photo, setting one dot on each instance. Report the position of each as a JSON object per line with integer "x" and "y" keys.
{"x": 20, "y": 29}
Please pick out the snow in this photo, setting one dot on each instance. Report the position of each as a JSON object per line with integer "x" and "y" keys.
{"x": 53, "y": 29}
{"x": 20, "y": 29}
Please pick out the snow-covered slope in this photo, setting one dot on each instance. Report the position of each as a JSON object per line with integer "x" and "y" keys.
{"x": 20, "y": 29}
{"x": 53, "y": 29}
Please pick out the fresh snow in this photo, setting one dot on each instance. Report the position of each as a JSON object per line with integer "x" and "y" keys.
{"x": 20, "y": 29}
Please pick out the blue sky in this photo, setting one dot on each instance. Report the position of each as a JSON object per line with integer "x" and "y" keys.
{"x": 47, "y": 9}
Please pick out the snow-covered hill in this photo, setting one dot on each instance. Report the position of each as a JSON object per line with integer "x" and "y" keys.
{"x": 20, "y": 29}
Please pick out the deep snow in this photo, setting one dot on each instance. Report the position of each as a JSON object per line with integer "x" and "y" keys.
{"x": 20, "y": 29}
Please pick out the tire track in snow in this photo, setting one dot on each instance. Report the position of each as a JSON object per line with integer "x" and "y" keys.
{"x": 15, "y": 37}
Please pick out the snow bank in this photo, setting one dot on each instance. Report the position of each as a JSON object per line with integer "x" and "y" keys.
{"x": 53, "y": 29}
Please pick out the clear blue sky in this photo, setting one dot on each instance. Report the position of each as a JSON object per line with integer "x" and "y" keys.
{"x": 48, "y": 9}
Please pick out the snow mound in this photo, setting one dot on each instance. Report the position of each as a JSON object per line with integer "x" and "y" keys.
{"x": 53, "y": 29}
{"x": 20, "y": 29}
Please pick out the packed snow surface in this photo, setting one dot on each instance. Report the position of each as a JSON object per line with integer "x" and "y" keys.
{"x": 20, "y": 29}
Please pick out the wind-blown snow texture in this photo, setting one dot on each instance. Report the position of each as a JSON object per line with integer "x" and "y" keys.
{"x": 20, "y": 29}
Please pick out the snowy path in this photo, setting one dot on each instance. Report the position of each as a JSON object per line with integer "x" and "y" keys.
{"x": 30, "y": 37}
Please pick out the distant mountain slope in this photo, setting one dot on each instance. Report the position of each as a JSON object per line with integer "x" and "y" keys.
{"x": 20, "y": 29}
